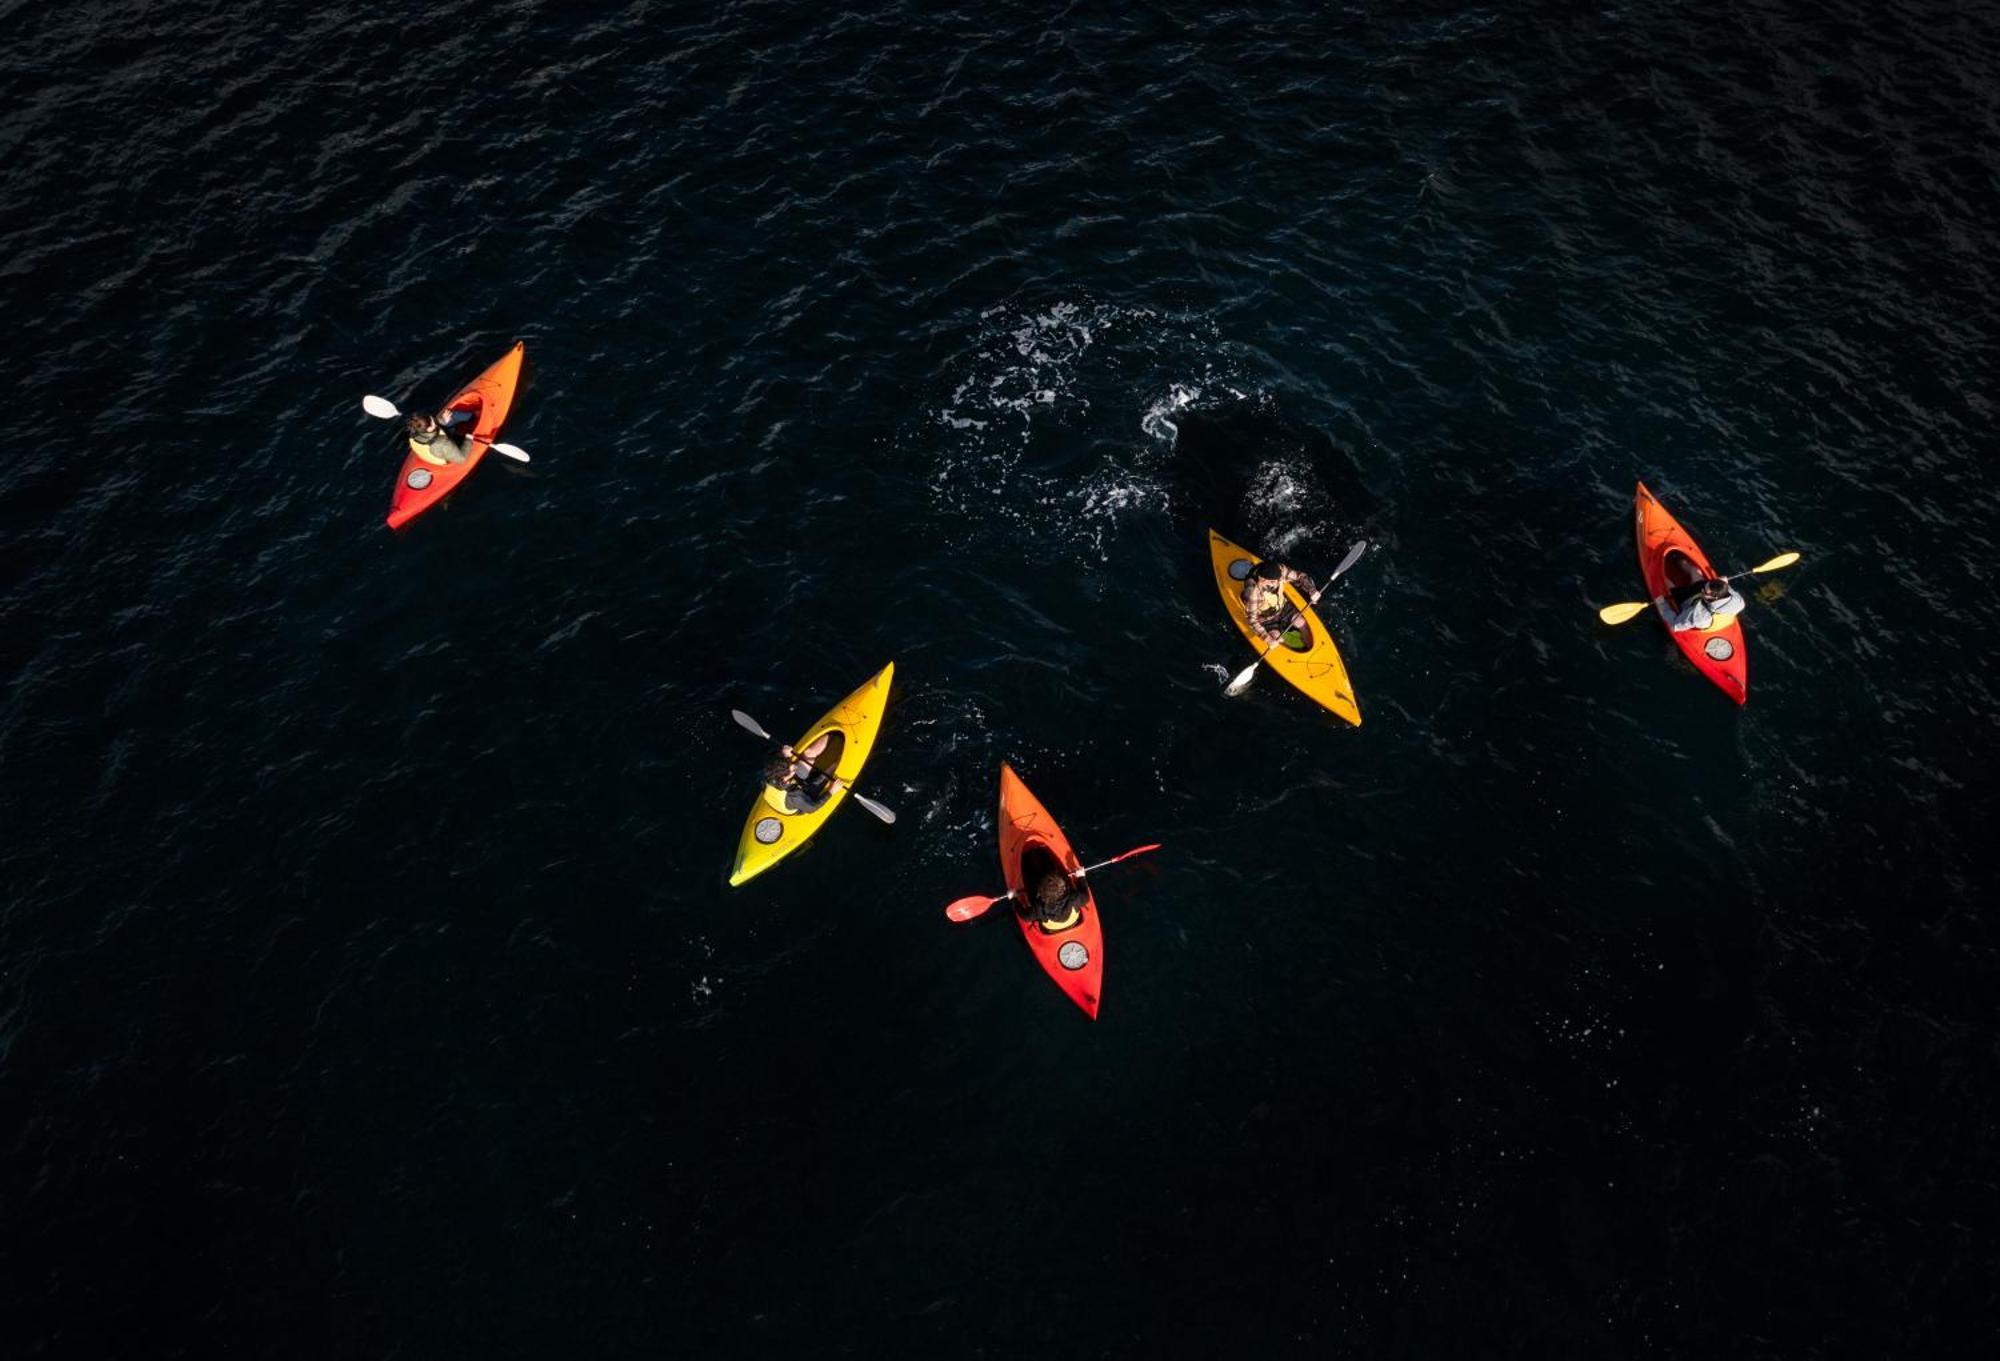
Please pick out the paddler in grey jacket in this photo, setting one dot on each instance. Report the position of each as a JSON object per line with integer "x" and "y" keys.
{"x": 1703, "y": 605}
{"x": 430, "y": 436}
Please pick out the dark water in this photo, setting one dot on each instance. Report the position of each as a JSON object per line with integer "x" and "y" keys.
{"x": 368, "y": 981}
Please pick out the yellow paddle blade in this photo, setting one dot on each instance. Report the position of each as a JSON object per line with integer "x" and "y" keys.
{"x": 1782, "y": 560}
{"x": 1618, "y": 614}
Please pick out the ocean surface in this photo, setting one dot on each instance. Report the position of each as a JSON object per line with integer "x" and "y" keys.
{"x": 369, "y": 981}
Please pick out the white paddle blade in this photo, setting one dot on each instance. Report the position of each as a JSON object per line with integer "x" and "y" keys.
{"x": 877, "y": 809}
{"x": 380, "y": 407}
{"x": 1243, "y": 679}
{"x": 513, "y": 451}
{"x": 1353, "y": 556}
{"x": 744, "y": 720}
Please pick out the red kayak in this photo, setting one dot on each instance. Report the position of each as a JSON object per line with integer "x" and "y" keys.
{"x": 424, "y": 482}
{"x": 1669, "y": 557}
{"x": 1029, "y": 842}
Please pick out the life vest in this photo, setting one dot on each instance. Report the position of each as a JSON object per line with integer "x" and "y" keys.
{"x": 423, "y": 451}
{"x": 1075, "y": 911}
{"x": 1057, "y": 928}
{"x": 1261, "y": 599}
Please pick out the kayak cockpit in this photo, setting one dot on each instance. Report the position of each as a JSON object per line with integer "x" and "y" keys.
{"x": 1680, "y": 570}
{"x": 801, "y": 800}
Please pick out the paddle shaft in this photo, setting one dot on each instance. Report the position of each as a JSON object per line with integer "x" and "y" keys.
{"x": 881, "y": 811}
{"x": 1243, "y": 677}
{"x": 1628, "y": 610}
{"x": 965, "y": 909}
{"x": 1083, "y": 870}
{"x": 388, "y": 411}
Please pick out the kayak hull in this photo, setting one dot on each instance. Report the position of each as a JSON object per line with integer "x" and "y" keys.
{"x": 1668, "y": 555}
{"x": 1318, "y": 672}
{"x": 422, "y": 484}
{"x": 1074, "y": 959}
{"x": 774, "y": 829}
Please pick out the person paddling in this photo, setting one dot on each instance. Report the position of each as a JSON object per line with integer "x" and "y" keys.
{"x": 1703, "y": 605}
{"x": 430, "y": 437}
{"x": 804, "y": 783}
{"x": 1269, "y": 612}
{"x": 1055, "y": 903}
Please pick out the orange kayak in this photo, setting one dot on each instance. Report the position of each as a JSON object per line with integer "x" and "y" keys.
{"x": 422, "y": 483}
{"x": 1030, "y": 839}
{"x": 1669, "y": 557}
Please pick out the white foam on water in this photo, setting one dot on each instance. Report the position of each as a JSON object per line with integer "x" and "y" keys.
{"x": 1030, "y": 378}
{"x": 1159, "y": 423}
{"x": 1027, "y": 366}
{"x": 1158, "y": 420}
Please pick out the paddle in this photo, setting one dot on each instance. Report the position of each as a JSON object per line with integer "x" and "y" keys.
{"x": 965, "y": 909}
{"x": 744, "y": 720}
{"x": 385, "y": 409}
{"x": 1619, "y": 613}
{"x": 1248, "y": 673}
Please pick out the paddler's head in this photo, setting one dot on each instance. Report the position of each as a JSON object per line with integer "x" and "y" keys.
{"x": 1050, "y": 891}
{"x": 1715, "y": 589}
{"x": 423, "y": 425}
{"x": 1268, "y": 572}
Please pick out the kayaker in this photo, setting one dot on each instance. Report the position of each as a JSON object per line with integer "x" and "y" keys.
{"x": 1056, "y": 903}
{"x": 1269, "y": 612}
{"x": 430, "y": 436}
{"x": 1703, "y": 604}
{"x": 805, "y": 784}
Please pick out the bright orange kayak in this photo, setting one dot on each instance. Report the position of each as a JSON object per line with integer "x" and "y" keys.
{"x": 1029, "y": 842}
{"x": 423, "y": 483}
{"x": 1669, "y": 557}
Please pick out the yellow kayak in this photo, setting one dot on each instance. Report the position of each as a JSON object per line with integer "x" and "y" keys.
{"x": 1318, "y": 670}
{"x": 775, "y": 827}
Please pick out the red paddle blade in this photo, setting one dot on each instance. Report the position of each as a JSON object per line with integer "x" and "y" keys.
{"x": 1136, "y": 850}
{"x": 965, "y": 909}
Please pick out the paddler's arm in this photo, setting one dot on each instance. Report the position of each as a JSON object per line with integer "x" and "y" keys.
{"x": 1695, "y": 616}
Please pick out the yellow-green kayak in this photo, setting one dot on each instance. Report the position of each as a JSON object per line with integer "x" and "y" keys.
{"x": 776, "y": 827}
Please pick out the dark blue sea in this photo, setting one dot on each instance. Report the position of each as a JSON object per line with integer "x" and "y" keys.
{"x": 370, "y": 985}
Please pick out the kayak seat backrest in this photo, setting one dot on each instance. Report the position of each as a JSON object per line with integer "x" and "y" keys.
{"x": 1037, "y": 861}
{"x": 829, "y": 759}
{"x": 804, "y": 800}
